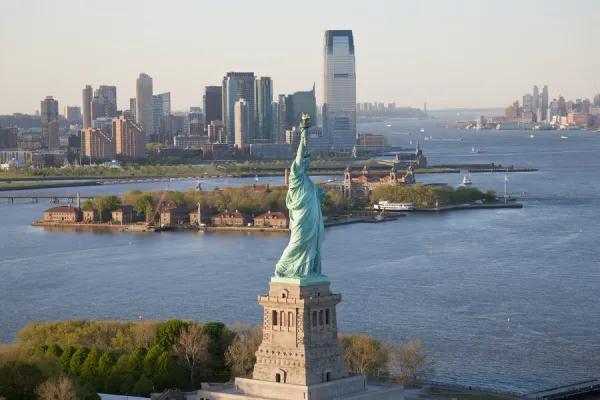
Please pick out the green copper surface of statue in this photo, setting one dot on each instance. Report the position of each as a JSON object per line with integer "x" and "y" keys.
{"x": 301, "y": 258}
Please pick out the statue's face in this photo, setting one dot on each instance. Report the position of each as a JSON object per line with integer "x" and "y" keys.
{"x": 307, "y": 162}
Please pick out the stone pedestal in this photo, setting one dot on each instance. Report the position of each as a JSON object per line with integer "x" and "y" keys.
{"x": 300, "y": 357}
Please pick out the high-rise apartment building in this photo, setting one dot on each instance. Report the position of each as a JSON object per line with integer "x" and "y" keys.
{"x": 212, "y": 102}
{"x": 241, "y": 123}
{"x": 170, "y": 126}
{"x": 129, "y": 137}
{"x": 97, "y": 145}
{"x": 339, "y": 89}
{"x": 263, "y": 99}
{"x": 161, "y": 106}
{"x": 144, "y": 103}
{"x": 275, "y": 122}
{"x": 528, "y": 102}
{"x": 535, "y": 99}
{"x": 132, "y": 107}
{"x": 87, "y": 96}
{"x": 195, "y": 122}
{"x": 48, "y": 114}
{"x": 72, "y": 113}
{"x": 104, "y": 102}
{"x": 544, "y": 100}
{"x": 237, "y": 86}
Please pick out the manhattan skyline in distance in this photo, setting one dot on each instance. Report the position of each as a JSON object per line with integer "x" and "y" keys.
{"x": 452, "y": 55}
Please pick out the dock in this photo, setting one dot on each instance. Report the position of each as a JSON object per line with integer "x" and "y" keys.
{"x": 52, "y": 198}
{"x": 566, "y": 391}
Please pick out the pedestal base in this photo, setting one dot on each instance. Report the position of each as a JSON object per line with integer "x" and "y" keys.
{"x": 354, "y": 387}
{"x": 304, "y": 281}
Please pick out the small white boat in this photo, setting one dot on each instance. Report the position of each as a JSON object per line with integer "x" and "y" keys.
{"x": 467, "y": 180}
{"x": 389, "y": 206}
{"x": 564, "y": 137}
{"x": 422, "y": 129}
{"x": 532, "y": 136}
{"x": 428, "y": 138}
{"x": 388, "y": 125}
{"x": 477, "y": 151}
{"x": 411, "y": 142}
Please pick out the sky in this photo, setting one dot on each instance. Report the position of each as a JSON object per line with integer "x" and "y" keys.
{"x": 449, "y": 53}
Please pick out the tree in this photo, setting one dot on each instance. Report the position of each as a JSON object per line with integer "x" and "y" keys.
{"x": 168, "y": 334}
{"x": 112, "y": 384}
{"x": 54, "y": 350}
{"x": 106, "y": 363}
{"x": 362, "y": 354}
{"x": 121, "y": 364}
{"x": 220, "y": 339}
{"x": 144, "y": 205}
{"x": 107, "y": 203}
{"x": 240, "y": 355}
{"x": 143, "y": 387}
{"x": 77, "y": 360}
{"x": 40, "y": 350}
{"x": 61, "y": 388}
{"x": 65, "y": 357}
{"x": 191, "y": 348}
{"x": 135, "y": 363}
{"x": 90, "y": 365}
{"x": 18, "y": 380}
{"x": 87, "y": 205}
{"x": 411, "y": 363}
{"x": 168, "y": 372}
{"x": 151, "y": 359}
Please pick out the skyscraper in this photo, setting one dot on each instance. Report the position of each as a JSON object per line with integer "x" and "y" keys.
{"x": 212, "y": 101}
{"x": 129, "y": 137}
{"x": 72, "y": 113}
{"x": 281, "y": 119}
{"x": 241, "y": 123}
{"x": 49, "y": 114}
{"x": 298, "y": 103}
{"x": 535, "y": 100}
{"x": 144, "y": 103}
{"x": 263, "y": 99}
{"x": 86, "y": 106}
{"x": 110, "y": 92}
{"x": 339, "y": 89}
{"x": 161, "y": 106}
{"x": 237, "y": 86}
{"x": 104, "y": 102}
{"x": 132, "y": 107}
{"x": 544, "y": 100}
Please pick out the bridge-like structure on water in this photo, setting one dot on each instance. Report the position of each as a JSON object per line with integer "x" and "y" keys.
{"x": 53, "y": 199}
{"x": 567, "y": 391}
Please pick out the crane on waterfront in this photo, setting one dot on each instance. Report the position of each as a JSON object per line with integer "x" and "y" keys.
{"x": 150, "y": 222}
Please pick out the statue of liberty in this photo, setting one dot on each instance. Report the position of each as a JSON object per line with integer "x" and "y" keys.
{"x": 302, "y": 256}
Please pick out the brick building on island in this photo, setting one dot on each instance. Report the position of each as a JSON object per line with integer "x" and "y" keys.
{"x": 62, "y": 214}
{"x": 275, "y": 219}
{"x": 229, "y": 218}
{"x": 359, "y": 185}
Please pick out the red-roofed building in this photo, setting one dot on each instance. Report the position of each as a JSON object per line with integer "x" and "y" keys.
{"x": 62, "y": 214}
{"x": 174, "y": 216}
{"x": 275, "y": 219}
{"x": 360, "y": 185}
{"x": 229, "y": 218}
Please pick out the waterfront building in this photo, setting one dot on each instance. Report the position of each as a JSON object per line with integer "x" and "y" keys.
{"x": 87, "y": 96}
{"x": 237, "y": 86}
{"x": 206, "y": 214}
{"x": 263, "y": 99}
{"x": 272, "y": 151}
{"x": 170, "y": 126}
{"x": 126, "y": 214}
{"x": 48, "y": 114}
{"x": 275, "y": 219}
{"x": 161, "y": 106}
{"x": 90, "y": 215}
{"x": 62, "y": 214}
{"x": 359, "y": 185}
{"x": 174, "y": 216}
{"x": 186, "y": 142}
{"x": 339, "y": 85}
{"x": 144, "y": 104}
{"x": 228, "y": 218}
{"x": 212, "y": 103}
{"x": 579, "y": 119}
{"x": 97, "y": 145}
{"x": 130, "y": 140}
{"x": 72, "y": 113}
{"x": 242, "y": 124}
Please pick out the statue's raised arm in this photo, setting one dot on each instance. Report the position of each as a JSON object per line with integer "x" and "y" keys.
{"x": 302, "y": 257}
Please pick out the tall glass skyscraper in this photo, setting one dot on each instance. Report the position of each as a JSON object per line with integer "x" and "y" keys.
{"x": 238, "y": 86}
{"x": 339, "y": 89}
{"x": 263, "y": 99}
{"x": 144, "y": 103}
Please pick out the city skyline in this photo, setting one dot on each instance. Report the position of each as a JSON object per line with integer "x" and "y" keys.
{"x": 461, "y": 54}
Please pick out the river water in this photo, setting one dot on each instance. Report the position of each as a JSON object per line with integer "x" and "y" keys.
{"x": 451, "y": 280}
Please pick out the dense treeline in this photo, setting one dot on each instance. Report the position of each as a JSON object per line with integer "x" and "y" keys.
{"x": 426, "y": 196}
{"x": 75, "y": 359}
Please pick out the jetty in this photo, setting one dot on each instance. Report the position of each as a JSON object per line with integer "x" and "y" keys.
{"x": 52, "y": 198}
{"x": 567, "y": 391}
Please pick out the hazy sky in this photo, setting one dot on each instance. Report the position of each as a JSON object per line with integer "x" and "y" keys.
{"x": 450, "y": 53}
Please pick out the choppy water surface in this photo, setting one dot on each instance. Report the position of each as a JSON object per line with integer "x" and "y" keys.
{"x": 451, "y": 280}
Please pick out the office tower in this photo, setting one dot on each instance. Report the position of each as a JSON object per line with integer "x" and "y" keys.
{"x": 241, "y": 123}
{"x": 53, "y": 141}
{"x": 129, "y": 137}
{"x": 49, "y": 113}
{"x": 528, "y": 102}
{"x": 275, "y": 122}
{"x": 88, "y": 94}
{"x": 72, "y": 113}
{"x": 237, "y": 86}
{"x": 281, "y": 119}
{"x": 215, "y": 132}
{"x": 144, "y": 103}
{"x": 535, "y": 100}
{"x": 212, "y": 102}
{"x": 339, "y": 85}
{"x": 161, "y": 106}
{"x": 544, "y": 99}
{"x": 170, "y": 126}
{"x": 263, "y": 97}
{"x": 96, "y": 144}
{"x": 132, "y": 102}
{"x": 195, "y": 122}
{"x": 104, "y": 102}
{"x": 298, "y": 103}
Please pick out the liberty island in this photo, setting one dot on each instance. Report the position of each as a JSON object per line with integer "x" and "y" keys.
{"x": 300, "y": 356}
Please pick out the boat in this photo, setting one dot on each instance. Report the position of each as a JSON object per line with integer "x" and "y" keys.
{"x": 532, "y": 136}
{"x": 410, "y": 142}
{"x": 422, "y": 129}
{"x": 428, "y": 138}
{"x": 467, "y": 180}
{"x": 564, "y": 137}
{"x": 477, "y": 151}
{"x": 255, "y": 178}
{"x": 388, "y": 125}
{"x": 389, "y": 206}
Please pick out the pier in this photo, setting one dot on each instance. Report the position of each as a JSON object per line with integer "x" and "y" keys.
{"x": 53, "y": 199}
{"x": 564, "y": 392}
